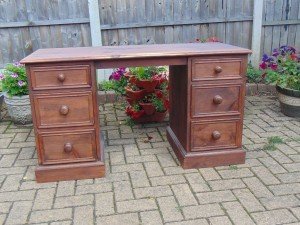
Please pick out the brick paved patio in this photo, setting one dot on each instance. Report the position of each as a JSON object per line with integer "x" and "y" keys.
{"x": 145, "y": 185}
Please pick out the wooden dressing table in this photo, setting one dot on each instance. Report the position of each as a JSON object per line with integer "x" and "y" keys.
{"x": 207, "y": 89}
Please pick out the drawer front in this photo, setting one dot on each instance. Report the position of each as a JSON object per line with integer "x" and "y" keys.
{"x": 43, "y": 78}
{"x": 63, "y": 110}
{"x": 214, "y": 135}
{"x": 57, "y": 148}
{"x": 216, "y": 69}
{"x": 215, "y": 100}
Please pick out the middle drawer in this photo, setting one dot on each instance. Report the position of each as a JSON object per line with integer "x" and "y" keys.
{"x": 216, "y": 100}
{"x": 64, "y": 110}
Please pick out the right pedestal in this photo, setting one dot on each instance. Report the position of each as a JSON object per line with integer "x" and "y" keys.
{"x": 206, "y": 114}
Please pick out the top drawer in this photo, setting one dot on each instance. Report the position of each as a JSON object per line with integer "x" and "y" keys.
{"x": 216, "y": 68}
{"x": 56, "y": 77}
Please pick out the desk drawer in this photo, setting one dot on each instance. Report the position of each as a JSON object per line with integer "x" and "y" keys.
{"x": 214, "y": 135}
{"x": 68, "y": 147}
{"x": 56, "y": 77}
{"x": 216, "y": 68}
{"x": 215, "y": 100}
{"x": 61, "y": 110}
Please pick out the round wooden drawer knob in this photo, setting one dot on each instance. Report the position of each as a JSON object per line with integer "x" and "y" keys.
{"x": 216, "y": 135}
{"x": 218, "y": 69}
{"x": 61, "y": 77}
{"x": 68, "y": 147}
{"x": 217, "y": 99}
{"x": 64, "y": 110}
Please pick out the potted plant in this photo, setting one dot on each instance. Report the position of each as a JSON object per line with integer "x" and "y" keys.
{"x": 147, "y": 105}
{"x": 135, "y": 111}
{"x": 143, "y": 77}
{"x": 282, "y": 68}
{"x": 15, "y": 87}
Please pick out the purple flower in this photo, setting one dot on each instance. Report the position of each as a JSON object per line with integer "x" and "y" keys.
{"x": 14, "y": 75}
{"x": 117, "y": 74}
{"x": 17, "y": 64}
{"x": 21, "y": 83}
{"x": 1, "y": 76}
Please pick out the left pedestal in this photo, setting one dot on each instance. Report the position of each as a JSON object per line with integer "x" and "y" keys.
{"x": 66, "y": 121}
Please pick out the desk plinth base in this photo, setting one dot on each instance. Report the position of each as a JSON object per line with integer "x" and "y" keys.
{"x": 75, "y": 171}
{"x": 190, "y": 160}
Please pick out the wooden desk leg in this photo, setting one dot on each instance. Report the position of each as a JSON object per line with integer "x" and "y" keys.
{"x": 185, "y": 131}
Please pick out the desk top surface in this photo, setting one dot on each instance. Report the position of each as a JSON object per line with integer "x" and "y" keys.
{"x": 131, "y": 52}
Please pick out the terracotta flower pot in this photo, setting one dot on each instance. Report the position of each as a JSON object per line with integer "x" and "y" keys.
{"x": 130, "y": 101}
{"x": 148, "y": 108}
{"x": 156, "y": 117}
{"x": 148, "y": 85}
{"x": 135, "y": 95}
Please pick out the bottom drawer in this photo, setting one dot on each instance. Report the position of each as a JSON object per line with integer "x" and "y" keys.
{"x": 215, "y": 135}
{"x": 67, "y": 147}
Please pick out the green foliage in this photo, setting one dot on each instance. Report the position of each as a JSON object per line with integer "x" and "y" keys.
{"x": 146, "y": 73}
{"x": 14, "y": 80}
{"x": 253, "y": 75}
{"x": 115, "y": 85}
{"x": 129, "y": 122}
{"x": 287, "y": 75}
{"x": 272, "y": 141}
{"x": 158, "y": 104}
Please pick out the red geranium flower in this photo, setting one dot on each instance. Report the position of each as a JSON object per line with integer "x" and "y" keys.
{"x": 159, "y": 94}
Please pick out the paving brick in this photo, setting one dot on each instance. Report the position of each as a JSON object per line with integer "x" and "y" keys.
{"x": 257, "y": 187}
{"x": 93, "y": 188}
{"x": 184, "y": 195}
{"x": 12, "y": 183}
{"x": 178, "y": 170}
{"x": 141, "y": 158}
{"x": 51, "y": 215}
{"x": 197, "y": 182}
{"x": 84, "y": 215}
{"x": 237, "y": 214}
{"x": 248, "y": 200}
{"x": 285, "y": 189}
{"x": 153, "y": 169}
{"x": 71, "y": 201}
{"x": 169, "y": 209}
{"x": 131, "y": 150}
{"x": 265, "y": 175}
{"x": 166, "y": 160}
{"x": 123, "y": 190}
{"x": 4, "y": 142}
{"x": 8, "y": 160}
{"x": 5, "y": 207}
{"x": 117, "y": 158}
{"x": 296, "y": 212}
{"x": 151, "y": 218}
{"x": 167, "y": 180}
{"x": 17, "y": 196}
{"x": 44, "y": 199}
{"x": 19, "y": 213}
{"x": 104, "y": 204}
{"x": 215, "y": 197}
{"x": 136, "y": 205}
{"x": 127, "y": 167}
{"x": 278, "y": 202}
{"x": 292, "y": 167}
{"x": 65, "y": 188}
{"x": 200, "y": 211}
{"x": 29, "y": 185}
{"x": 130, "y": 219}
{"x": 139, "y": 179}
{"x": 226, "y": 184}
{"x": 236, "y": 173}
{"x": 220, "y": 220}
{"x": 279, "y": 216}
{"x": 209, "y": 174}
{"x": 153, "y": 192}
{"x": 190, "y": 222}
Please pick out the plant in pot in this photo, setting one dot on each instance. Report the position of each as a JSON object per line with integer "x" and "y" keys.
{"x": 161, "y": 105}
{"x": 144, "y": 77}
{"x": 117, "y": 81}
{"x": 15, "y": 87}
{"x": 135, "y": 111}
{"x": 282, "y": 68}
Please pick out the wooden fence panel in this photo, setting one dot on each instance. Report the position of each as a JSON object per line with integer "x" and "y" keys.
{"x": 26, "y": 25}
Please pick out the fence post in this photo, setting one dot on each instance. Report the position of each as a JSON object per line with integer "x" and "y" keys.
{"x": 256, "y": 31}
{"x": 95, "y": 24}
